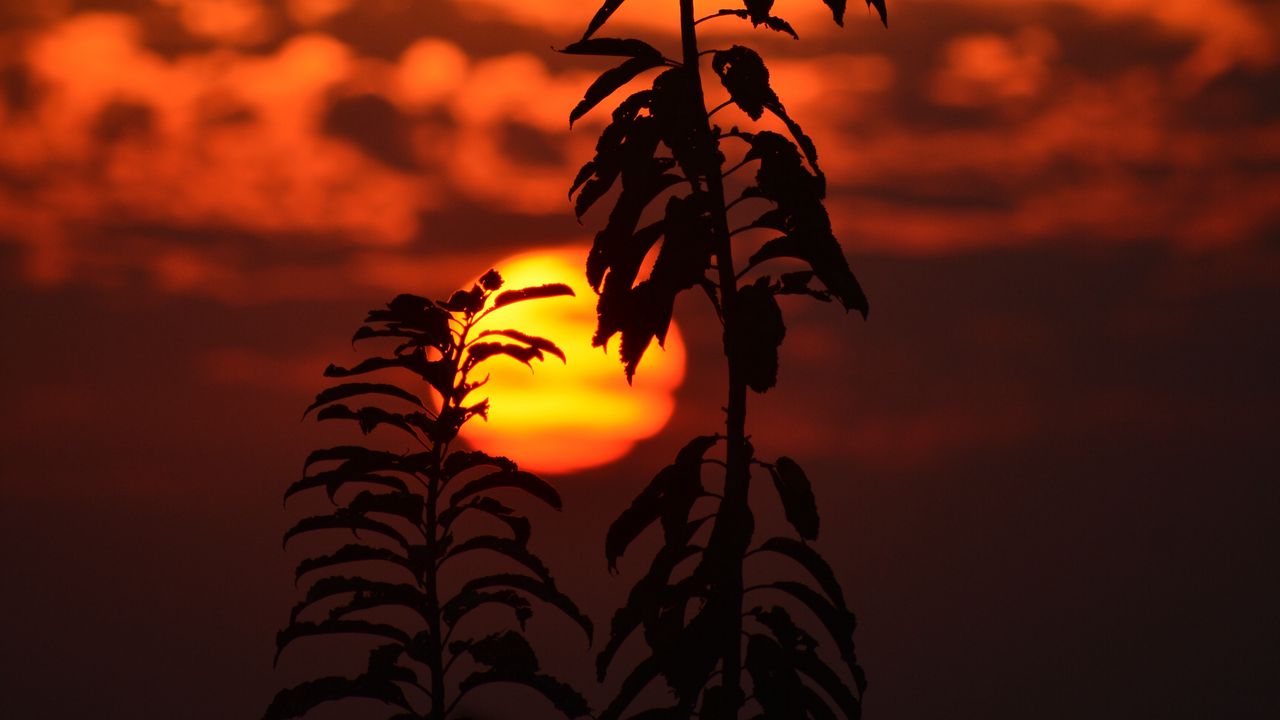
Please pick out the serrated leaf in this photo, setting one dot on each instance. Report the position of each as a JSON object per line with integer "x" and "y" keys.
{"x": 565, "y": 699}
{"x": 299, "y": 630}
{"x": 344, "y": 520}
{"x": 482, "y": 351}
{"x": 514, "y": 479}
{"x": 838, "y": 621}
{"x": 516, "y": 551}
{"x": 547, "y": 592}
{"x": 353, "y": 553}
{"x": 461, "y": 461}
{"x": 549, "y": 290}
{"x": 298, "y": 700}
{"x": 365, "y": 594}
{"x": 609, "y": 81}
{"x": 540, "y": 343}
{"x": 463, "y": 603}
{"x": 350, "y": 390}
{"x": 796, "y": 493}
{"x": 753, "y": 333}
{"x": 838, "y": 8}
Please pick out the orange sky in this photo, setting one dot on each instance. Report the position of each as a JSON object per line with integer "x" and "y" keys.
{"x": 1049, "y": 452}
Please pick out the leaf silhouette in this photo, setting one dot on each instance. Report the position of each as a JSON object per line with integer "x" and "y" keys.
{"x": 512, "y": 549}
{"x": 671, "y": 493}
{"x": 753, "y": 334}
{"x": 798, "y": 503}
{"x": 540, "y": 343}
{"x": 602, "y": 15}
{"x": 408, "y": 527}
{"x": 463, "y": 603}
{"x": 302, "y": 698}
{"x": 515, "y": 479}
{"x": 299, "y": 630}
{"x": 532, "y": 293}
{"x": 610, "y": 81}
{"x": 345, "y": 520}
{"x": 353, "y": 553}
{"x": 349, "y": 390}
{"x": 459, "y": 462}
{"x": 619, "y": 47}
{"x": 811, "y": 561}
{"x": 839, "y": 623}
{"x": 540, "y": 589}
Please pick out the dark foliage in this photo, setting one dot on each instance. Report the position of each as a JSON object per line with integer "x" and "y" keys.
{"x": 721, "y": 650}
{"x": 406, "y": 513}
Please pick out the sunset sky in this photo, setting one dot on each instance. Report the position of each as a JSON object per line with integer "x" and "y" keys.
{"x": 1047, "y": 462}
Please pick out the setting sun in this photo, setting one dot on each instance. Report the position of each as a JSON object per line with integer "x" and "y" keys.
{"x": 579, "y": 414}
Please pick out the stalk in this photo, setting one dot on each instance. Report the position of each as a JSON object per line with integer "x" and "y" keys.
{"x": 734, "y": 510}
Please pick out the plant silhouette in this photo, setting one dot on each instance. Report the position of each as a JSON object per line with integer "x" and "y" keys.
{"x": 408, "y": 510}
{"x": 692, "y": 607}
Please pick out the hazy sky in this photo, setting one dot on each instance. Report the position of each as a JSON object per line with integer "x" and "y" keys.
{"x": 1047, "y": 460}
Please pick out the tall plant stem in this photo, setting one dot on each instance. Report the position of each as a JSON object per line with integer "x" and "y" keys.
{"x": 728, "y": 537}
{"x": 431, "y": 585}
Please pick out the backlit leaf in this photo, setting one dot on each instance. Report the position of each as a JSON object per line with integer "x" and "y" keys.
{"x": 610, "y": 80}
{"x": 796, "y": 493}
{"x": 508, "y": 297}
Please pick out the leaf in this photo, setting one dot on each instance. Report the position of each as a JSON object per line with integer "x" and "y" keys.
{"x": 505, "y": 649}
{"x": 349, "y": 390}
{"x": 334, "y": 480}
{"x": 368, "y": 418}
{"x": 342, "y": 519}
{"x": 480, "y": 352}
{"x": 669, "y": 494}
{"x": 540, "y": 343}
{"x": 463, "y": 603}
{"x": 516, "y": 551}
{"x": 540, "y": 589}
{"x": 602, "y": 15}
{"x": 610, "y": 80}
{"x": 635, "y": 682}
{"x": 821, "y": 251}
{"x": 628, "y": 47}
{"x": 353, "y": 553}
{"x": 646, "y": 599}
{"x": 296, "y": 701}
{"x": 881, "y": 9}
{"x": 796, "y": 493}
{"x": 744, "y": 75}
{"x": 459, "y": 462}
{"x": 758, "y": 10}
{"x": 520, "y": 527}
{"x": 337, "y": 627}
{"x": 491, "y": 280}
{"x": 365, "y": 594}
{"x": 774, "y": 681}
{"x": 811, "y": 561}
{"x": 753, "y": 333}
{"x": 436, "y": 372}
{"x": 468, "y": 302}
{"x": 565, "y": 699}
{"x": 838, "y": 7}
{"x": 407, "y": 506}
{"x": 515, "y": 479}
{"x": 838, "y": 621}
{"x": 531, "y": 293}
{"x": 811, "y": 665}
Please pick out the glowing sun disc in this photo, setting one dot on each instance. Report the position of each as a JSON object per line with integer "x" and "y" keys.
{"x": 565, "y": 417}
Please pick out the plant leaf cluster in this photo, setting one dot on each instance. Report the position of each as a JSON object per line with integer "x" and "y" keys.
{"x": 413, "y": 514}
{"x": 667, "y": 169}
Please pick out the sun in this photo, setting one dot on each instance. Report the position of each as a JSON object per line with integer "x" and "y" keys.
{"x": 559, "y": 418}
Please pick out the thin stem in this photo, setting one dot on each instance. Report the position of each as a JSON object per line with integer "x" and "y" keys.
{"x": 734, "y": 512}
{"x": 717, "y": 109}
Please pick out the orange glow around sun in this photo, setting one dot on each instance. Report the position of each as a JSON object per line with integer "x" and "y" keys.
{"x": 562, "y": 417}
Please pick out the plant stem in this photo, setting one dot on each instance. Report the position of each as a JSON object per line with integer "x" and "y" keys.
{"x": 729, "y": 537}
